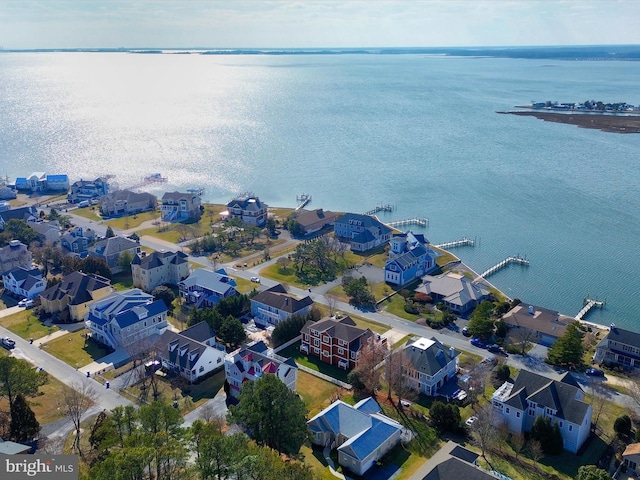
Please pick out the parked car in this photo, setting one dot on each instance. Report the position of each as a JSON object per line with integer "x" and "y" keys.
{"x": 8, "y": 343}
{"x": 594, "y": 372}
{"x": 476, "y": 342}
{"x": 25, "y": 302}
{"x": 470, "y": 421}
{"x": 465, "y": 331}
{"x": 255, "y": 279}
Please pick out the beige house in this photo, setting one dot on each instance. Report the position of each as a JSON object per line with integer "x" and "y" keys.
{"x": 543, "y": 326}
{"x": 631, "y": 458}
{"x": 126, "y": 202}
{"x": 312, "y": 221}
{"x": 73, "y": 295}
{"x": 159, "y": 268}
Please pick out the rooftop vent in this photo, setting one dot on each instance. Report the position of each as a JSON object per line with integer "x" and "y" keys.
{"x": 531, "y": 311}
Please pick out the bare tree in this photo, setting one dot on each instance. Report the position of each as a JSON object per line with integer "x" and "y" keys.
{"x": 331, "y": 302}
{"x": 600, "y": 396}
{"x": 397, "y": 364}
{"x": 368, "y": 371}
{"x": 517, "y": 442}
{"x": 76, "y": 400}
{"x": 484, "y": 429}
{"x": 521, "y": 337}
{"x": 535, "y": 450}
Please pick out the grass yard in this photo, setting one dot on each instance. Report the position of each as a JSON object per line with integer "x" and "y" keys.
{"x": 395, "y": 306}
{"x": 87, "y": 212}
{"x": 274, "y": 272}
{"x": 75, "y": 350}
{"x": 169, "y": 234}
{"x": 316, "y": 393}
{"x": 25, "y": 325}
{"x": 309, "y": 361}
{"x": 45, "y": 404}
{"x": 122, "y": 280}
{"x": 313, "y": 458}
{"x": 377, "y": 257}
{"x": 132, "y": 221}
{"x": 445, "y": 257}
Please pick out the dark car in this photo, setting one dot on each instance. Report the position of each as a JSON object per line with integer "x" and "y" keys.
{"x": 465, "y": 331}
{"x": 594, "y": 372}
{"x": 494, "y": 348}
{"x": 476, "y": 342}
{"x": 8, "y": 343}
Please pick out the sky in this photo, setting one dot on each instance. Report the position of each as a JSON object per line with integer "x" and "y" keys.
{"x": 26, "y": 24}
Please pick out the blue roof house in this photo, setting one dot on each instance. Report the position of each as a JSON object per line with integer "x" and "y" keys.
{"x": 205, "y": 288}
{"x": 363, "y": 232}
{"x": 360, "y": 432}
{"x": 409, "y": 259}
{"x": 125, "y": 318}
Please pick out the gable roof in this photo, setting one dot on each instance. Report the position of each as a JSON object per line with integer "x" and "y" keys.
{"x": 429, "y": 356}
{"x": 541, "y": 320}
{"x": 342, "y": 329}
{"x": 22, "y": 213}
{"x": 365, "y": 221}
{"x": 622, "y": 336}
{"x": 247, "y": 201}
{"x": 218, "y": 281}
{"x": 129, "y": 317}
{"x": 309, "y": 217}
{"x": 278, "y": 298}
{"x": 200, "y": 332}
{"x": 159, "y": 259}
{"x": 179, "y": 349}
{"x": 129, "y": 197}
{"x": 77, "y": 286}
{"x": 112, "y": 246}
{"x": 177, "y": 196}
{"x": 454, "y": 288}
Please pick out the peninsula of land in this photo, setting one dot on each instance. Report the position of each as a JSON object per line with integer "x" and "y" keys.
{"x": 605, "y": 123}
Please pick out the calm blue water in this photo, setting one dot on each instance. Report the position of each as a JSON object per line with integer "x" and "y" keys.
{"x": 414, "y": 131}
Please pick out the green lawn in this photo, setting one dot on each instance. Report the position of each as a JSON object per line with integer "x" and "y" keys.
{"x": 168, "y": 234}
{"x": 88, "y": 212}
{"x": 316, "y": 393}
{"x": 132, "y": 221}
{"x": 445, "y": 257}
{"x": 122, "y": 280}
{"x": 74, "y": 350}
{"x": 309, "y": 361}
{"x": 25, "y": 325}
{"x": 46, "y": 404}
{"x": 274, "y": 272}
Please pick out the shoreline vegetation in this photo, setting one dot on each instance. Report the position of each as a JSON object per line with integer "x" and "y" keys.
{"x": 603, "y": 122}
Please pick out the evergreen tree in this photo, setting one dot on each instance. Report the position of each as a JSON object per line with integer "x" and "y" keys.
{"x": 591, "y": 472}
{"x": 24, "y": 426}
{"x": 480, "y": 322}
{"x": 272, "y": 414}
{"x": 109, "y": 233}
{"x": 17, "y": 377}
{"x": 445, "y": 416}
{"x": 568, "y": 349}
{"x": 232, "y": 332}
{"x": 165, "y": 294}
{"x": 95, "y": 265}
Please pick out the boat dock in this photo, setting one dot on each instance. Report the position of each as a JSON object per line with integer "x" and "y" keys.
{"x": 589, "y": 304}
{"x": 379, "y": 208}
{"x": 148, "y": 180}
{"x": 499, "y": 266}
{"x": 196, "y": 191}
{"x": 463, "y": 242}
{"x": 422, "y": 222}
{"x": 303, "y": 200}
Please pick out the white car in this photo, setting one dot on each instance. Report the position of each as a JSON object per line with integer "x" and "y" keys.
{"x": 255, "y": 279}
{"x": 25, "y": 302}
{"x": 471, "y": 420}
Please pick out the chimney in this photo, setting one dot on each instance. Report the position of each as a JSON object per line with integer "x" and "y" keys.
{"x": 531, "y": 311}
{"x": 452, "y": 352}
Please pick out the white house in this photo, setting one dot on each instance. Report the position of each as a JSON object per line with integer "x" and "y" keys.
{"x": 159, "y": 268}
{"x": 620, "y": 347}
{"x": 125, "y": 318}
{"x": 176, "y": 206}
{"x": 26, "y": 282}
{"x": 249, "y": 363}
{"x": 205, "y": 288}
{"x": 409, "y": 258}
{"x": 431, "y": 365}
{"x": 518, "y": 405}
{"x": 272, "y": 306}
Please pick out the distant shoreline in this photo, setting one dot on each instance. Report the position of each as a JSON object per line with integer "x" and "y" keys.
{"x": 605, "y": 123}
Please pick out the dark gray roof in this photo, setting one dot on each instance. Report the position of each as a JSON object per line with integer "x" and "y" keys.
{"x": 625, "y": 337}
{"x": 112, "y": 246}
{"x": 158, "y": 259}
{"x": 77, "y": 286}
{"x": 429, "y": 360}
{"x": 22, "y": 213}
{"x": 343, "y": 329}
{"x": 200, "y": 332}
{"x": 277, "y": 297}
{"x": 454, "y": 469}
{"x": 179, "y": 350}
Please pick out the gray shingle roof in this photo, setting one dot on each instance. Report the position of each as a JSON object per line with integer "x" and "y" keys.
{"x": 77, "y": 286}
{"x": 277, "y": 297}
{"x": 429, "y": 360}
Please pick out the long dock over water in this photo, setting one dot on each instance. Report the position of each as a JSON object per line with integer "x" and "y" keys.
{"x": 379, "y": 208}
{"x": 422, "y": 222}
{"x": 303, "y": 200}
{"x": 499, "y": 266}
{"x": 589, "y": 304}
{"x": 463, "y": 242}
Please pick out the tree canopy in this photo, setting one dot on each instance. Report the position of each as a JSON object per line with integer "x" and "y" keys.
{"x": 480, "y": 321}
{"x": 568, "y": 349}
{"x": 272, "y": 414}
{"x": 17, "y": 377}
{"x": 357, "y": 289}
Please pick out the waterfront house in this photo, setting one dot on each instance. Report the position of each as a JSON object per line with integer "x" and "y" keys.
{"x": 70, "y": 299}
{"x": 362, "y": 232}
{"x": 250, "y": 362}
{"x": 190, "y": 358}
{"x": 87, "y": 190}
{"x": 409, "y": 258}
{"x": 205, "y": 288}
{"x": 178, "y": 206}
{"x": 159, "y": 268}
{"x": 15, "y": 255}
{"x": 337, "y": 341}
{"x": 127, "y": 319}
{"x": 620, "y": 347}
{"x": 7, "y": 193}
{"x": 313, "y": 221}
{"x": 42, "y": 182}
{"x": 111, "y": 249}
{"x": 126, "y": 202}
{"x": 272, "y": 306}
{"x": 532, "y": 395}
{"x": 361, "y": 433}
{"x": 25, "y": 282}
{"x": 543, "y": 326}
{"x": 248, "y": 208}
{"x": 430, "y": 364}
{"x": 453, "y": 461}
{"x": 455, "y": 291}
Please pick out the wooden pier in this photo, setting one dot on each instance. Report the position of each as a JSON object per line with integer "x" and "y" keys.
{"x": 463, "y": 242}
{"x": 303, "y": 200}
{"x": 149, "y": 180}
{"x": 589, "y": 304}
{"x": 422, "y": 222}
{"x": 499, "y": 266}
{"x": 379, "y": 208}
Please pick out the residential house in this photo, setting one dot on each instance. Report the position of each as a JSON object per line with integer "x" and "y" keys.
{"x": 532, "y": 395}
{"x": 48, "y": 232}
{"x": 409, "y": 258}
{"x": 248, "y": 208}
{"x": 362, "y": 232}
{"x": 455, "y": 291}
{"x": 631, "y": 459}
{"x": 203, "y": 333}
{"x": 453, "y": 461}
{"x": 250, "y": 362}
{"x": 28, "y": 214}
{"x": 337, "y": 341}
{"x": 73, "y": 295}
{"x": 126, "y": 202}
{"x": 87, "y": 190}
{"x": 15, "y": 255}
{"x": 127, "y": 319}
{"x": 41, "y": 182}
{"x": 7, "y": 193}
{"x": 7, "y": 447}
{"x": 190, "y": 358}
{"x": 57, "y": 183}
{"x": 361, "y": 433}
{"x": 430, "y": 365}
{"x": 313, "y": 221}
{"x": 620, "y": 347}
{"x": 205, "y": 288}
{"x": 111, "y": 249}
{"x": 26, "y": 282}
{"x": 272, "y": 306}
{"x": 540, "y": 325}
{"x": 178, "y": 206}
{"x": 159, "y": 268}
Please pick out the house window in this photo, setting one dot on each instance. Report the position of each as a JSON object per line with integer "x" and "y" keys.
{"x": 325, "y": 353}
{"x": 532, "y": 413}
{"x": 560, "y": 424}
{"x": 517, "y": 414}
{"x": 549, "y": 411}
{"x": 571, "y": 428}
{"x": 201, "y": 369}
{"x": 341, "y": 351}
{"x": 316, "y": 342}
{"x": 506, "y": 410}
{"x": 325, "y": 339}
